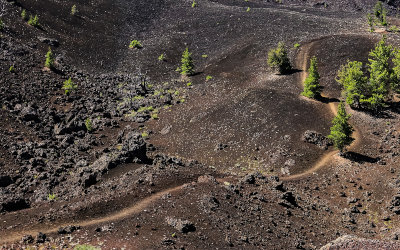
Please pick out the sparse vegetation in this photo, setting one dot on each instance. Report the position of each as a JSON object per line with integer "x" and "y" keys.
{"x": 187, "y": 67}
{"x": 34, "y": 21}
{"x": 1, "y": 25}
{"x": 11, "y": 69}
{"x": 24, "y": 16}
{"x": 380, "y": 13}
{"x": 371, "y": 22}
{"x": 89, "y": 124}
{"x": 278, "y": 59}
{"x": 373, "y": 92}
{"x": 49, "y": 63}
{"x": 161, "y": 57}
{"x": 74, "y": 10}
{"x": 296, "y": 45}
{"x": 194, "y": 4}
{"x": 51, "y": 197}
{"x": 208, "y": 78}
{"x": 248, "y": 9}
{"x": 380, "y": 76}
{"x": 312, "y": 88}
{"x": 69, "y": 86}
{"x": 354, "y": 83}
{"x": 135, "y": 44}
{"x": 341, "y": 130}
{"x": 394, "y": 29}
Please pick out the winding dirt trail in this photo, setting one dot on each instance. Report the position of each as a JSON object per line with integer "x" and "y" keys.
{"x": 302, "y": 63}
{"x": 49, "y": 229}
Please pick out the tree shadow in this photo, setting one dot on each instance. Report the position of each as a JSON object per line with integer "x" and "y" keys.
{"x": 290, "y": 72}
{"x": 327, "y": 100}
{"x": 360, "y": 158}
{"x": 394, "y": 107}
{"x": 197, "y": 73}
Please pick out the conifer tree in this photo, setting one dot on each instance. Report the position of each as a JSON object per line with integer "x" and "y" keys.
{"x": 396, "y": 71}
{"x": 278, "y": 58}
{"x": 312, "y": 88}
{"x": 380, "y": 75}
{"x": 187, "y": 67}
{"x": 49, "y": 59}
{"x": 354, "y": 83}
{"x": 371, "y": 22}
{"x": 380, "y": 13}
{"x": 341, "y": 130}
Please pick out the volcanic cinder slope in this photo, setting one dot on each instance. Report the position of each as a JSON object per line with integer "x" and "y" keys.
{"x": 155, "y": 162}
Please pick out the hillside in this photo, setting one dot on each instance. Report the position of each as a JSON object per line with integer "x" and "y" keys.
{"x": 137, "y": 156}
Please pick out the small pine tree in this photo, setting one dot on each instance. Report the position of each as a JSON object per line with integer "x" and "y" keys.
{"x": 278, "y": 58}
{"x": 89, "y": 124}
{"x": 74, "y": 10}
{"x": 396, "y": 71}
{"x": 371, "y": 22}
{"x": 341, "y": 130}
{"x": 354, "y": 83}
{"x": 33, "y": 21}
{"x": 69, "y": 86}
{"x": 312, "y": 88}
{"x": 49, "y": 63}
{"x": 380, "y": 13}
{"x": 380, "y": 75}
{"x": 24, "y": 15}
{"x": 187, "y": 67}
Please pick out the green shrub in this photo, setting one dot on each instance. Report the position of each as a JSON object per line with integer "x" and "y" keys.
{"x": 161, "y": 57}
{"x": 69, "y": 86}
{"x": 51, "y": 197}
{"x": 354, "y": 83}
{"x": 371, "y": 22}
{"x": 89, "y": 124}
{"x": 396, "y": 71}
{"x": 194, "y": 4}
{"x": 33, "y": 21}
{"x": 248, "y": 9}
{"x": 49, "y": 63}
{"x": 11, "y": 69}
{"x": 187, "y": 67}
{"x": 278, "y": 59}
{"x": 394, "y": 29}
{"x": 312, "y": 88}
{"x": 341, "y": 130}
{"x": 296, "y": 45}
{"x": 74, "y": 10}
{"x": 380, "y": 13}
{"x": 208, "y": 78}
{"x": 135, "y": 44}
{"x": 380, "y": 76}
{"x": 24, "y": 15}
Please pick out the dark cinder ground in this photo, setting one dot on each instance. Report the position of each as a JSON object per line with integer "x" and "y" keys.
{"x": 224, "y": 165}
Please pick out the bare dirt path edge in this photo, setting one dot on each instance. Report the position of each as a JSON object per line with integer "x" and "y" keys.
{"x": 135, "y": 209}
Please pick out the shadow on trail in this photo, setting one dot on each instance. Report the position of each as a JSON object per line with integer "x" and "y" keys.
{"x": 327, "y": 100}
{"x": 360, "y": 158}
